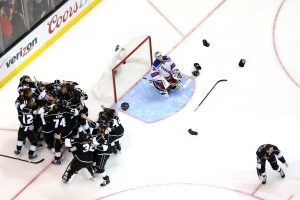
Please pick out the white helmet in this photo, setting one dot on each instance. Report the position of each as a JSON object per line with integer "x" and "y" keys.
{"x": 158, "y": 55}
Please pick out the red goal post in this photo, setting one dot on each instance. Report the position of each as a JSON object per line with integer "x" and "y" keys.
{"x": 127, "y": 67}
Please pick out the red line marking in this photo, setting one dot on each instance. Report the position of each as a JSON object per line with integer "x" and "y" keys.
{"x": 31, "y": 181}
{"x": 290, "y": 197}
{"x": 256, "y": 189}
{"x": 193, "y": 29}
{"x": 170, "y": 184}
{"x": 276, "y": 49}
{"x": 8, "y": 129}
{"x": 187, "y": 35}
{"x": 164, "y": 16}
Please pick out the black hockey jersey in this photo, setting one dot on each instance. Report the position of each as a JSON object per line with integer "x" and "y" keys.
{"x": 263, "y": 155}
{"x": 84, "y": 150}
{"x": 25, "y": 113}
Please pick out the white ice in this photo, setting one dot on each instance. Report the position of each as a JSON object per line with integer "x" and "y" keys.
{"x": 259, "y": 103}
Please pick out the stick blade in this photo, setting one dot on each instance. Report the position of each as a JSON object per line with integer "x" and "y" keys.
{"x": 187, "y": 83}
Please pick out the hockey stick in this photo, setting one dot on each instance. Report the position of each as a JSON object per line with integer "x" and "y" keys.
{"x": 187, "y": 83}
{"x": 33, "y": 162}
{"x": 209, "y": 93}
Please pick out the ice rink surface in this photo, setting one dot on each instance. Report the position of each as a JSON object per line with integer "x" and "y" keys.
{"x": 258, "y": 104}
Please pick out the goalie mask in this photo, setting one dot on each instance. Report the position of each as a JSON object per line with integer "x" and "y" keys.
{"x": 158, "y": 55}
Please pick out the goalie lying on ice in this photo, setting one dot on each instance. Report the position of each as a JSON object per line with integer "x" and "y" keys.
{"x": 165, "y": 75}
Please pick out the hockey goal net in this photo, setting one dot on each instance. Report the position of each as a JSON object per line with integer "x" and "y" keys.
{"x": 127, "y": 67}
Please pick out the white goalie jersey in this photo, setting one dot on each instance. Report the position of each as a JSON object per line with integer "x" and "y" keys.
{"x": 164, "y": 74}
{"x": 164, "y": 68}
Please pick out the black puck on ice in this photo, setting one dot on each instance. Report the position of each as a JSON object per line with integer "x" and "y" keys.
{"x": 242, "y": 62}
{"x": 192, "y": 132}
{"x": 205, "y": 43}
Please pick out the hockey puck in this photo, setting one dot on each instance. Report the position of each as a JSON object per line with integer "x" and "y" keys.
{"x": 242, "y": 62}
{"x": 192, "y": 132}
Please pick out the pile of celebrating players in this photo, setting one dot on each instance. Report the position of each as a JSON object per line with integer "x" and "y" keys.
{"x": 56, "y": 113}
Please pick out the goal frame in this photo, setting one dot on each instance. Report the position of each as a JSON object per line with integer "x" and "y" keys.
{"x": 113, "y": 74}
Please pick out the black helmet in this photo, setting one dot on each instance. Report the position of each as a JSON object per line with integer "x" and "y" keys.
{"x": 102, "y": 116}
{"x": 124, "y": 106}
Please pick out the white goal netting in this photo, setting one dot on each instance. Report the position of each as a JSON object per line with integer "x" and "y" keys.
{"x": 129, "y": 64}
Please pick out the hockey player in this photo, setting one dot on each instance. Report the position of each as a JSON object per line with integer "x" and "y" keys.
{"x": 268, "y": 152}
{"x": 102, "y": 152}
{"x": 165, "y": 75}
{"x": 83, "y": 150}
{"x": 101, "y": 138}
{"x": 110, "y": 116}
{"x": 25, "y": 105}
{"x": 60, "y": 119}
{"x": 25, "y": 82}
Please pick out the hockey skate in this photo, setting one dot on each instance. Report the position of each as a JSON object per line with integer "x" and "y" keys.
{"x": 32, "y": 157}
{"x": 105, "y": 182}
{"x": 264, "y": 179}
{"x": 39, "y": 145}
{"x": 67, "y": 178}
{"x": 282, "y": 174}
{"x": 56, "y": 162}
{"x": 17, "y": 153}
{"x": 118, "y": 145}
{"x": 114, "y": 149}
{"x": 66, "y": 181}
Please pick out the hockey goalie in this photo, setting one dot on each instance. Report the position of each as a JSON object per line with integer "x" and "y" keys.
{"x": 165, "y": 75}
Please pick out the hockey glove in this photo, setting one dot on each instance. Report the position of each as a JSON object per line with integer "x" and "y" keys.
{"x": 176, "y": 74}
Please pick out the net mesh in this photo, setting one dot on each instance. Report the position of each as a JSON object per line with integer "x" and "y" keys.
{"x": 129, "y": 65}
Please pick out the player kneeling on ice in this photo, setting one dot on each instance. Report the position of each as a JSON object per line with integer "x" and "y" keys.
{"x": 165, "y": 75}
{"x": 268, "y": 152}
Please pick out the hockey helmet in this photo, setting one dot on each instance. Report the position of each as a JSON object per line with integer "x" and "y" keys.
{"x": 158, "y": 55}
{"x": 74, "y": 102}
{"x": 25, "y": 79}
{"x": 124, "y": 106}
{"x": 102, "y": 116}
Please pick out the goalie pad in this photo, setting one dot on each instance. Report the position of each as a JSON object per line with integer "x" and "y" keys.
{"x": 161, "y": 83}
{"x": 159, "y": 86}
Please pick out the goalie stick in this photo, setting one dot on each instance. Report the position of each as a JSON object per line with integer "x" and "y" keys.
{"x": 185, "y": 85}
{"x": 209, "y": 93}
{"x": 33, "y": 162}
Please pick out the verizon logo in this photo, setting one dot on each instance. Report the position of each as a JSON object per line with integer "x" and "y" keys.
{"x": 23, "y": 52}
